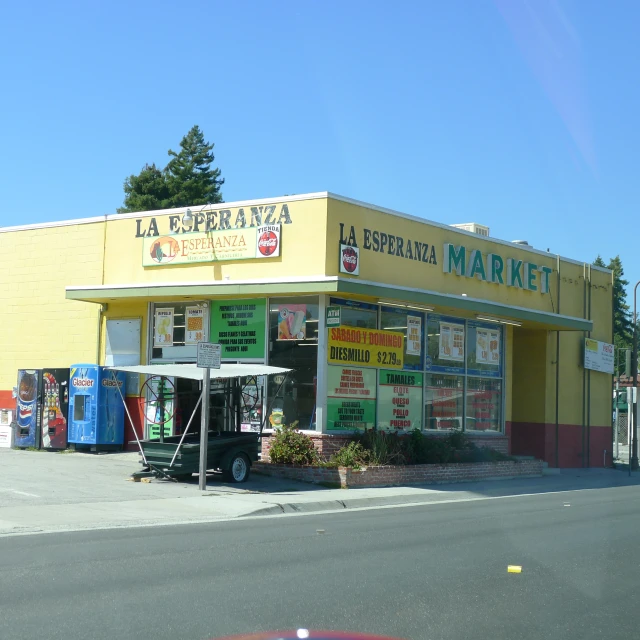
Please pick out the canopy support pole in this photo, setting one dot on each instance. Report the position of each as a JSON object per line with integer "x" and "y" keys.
{"x": 113, "y": 373}
{"x": 204, "y": 430}
{"x": 185, "y": 431}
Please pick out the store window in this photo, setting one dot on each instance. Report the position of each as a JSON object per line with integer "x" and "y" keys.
{"x": 484, "y": 373}
{"x": 177, "y": 329}
{"x": 484, "y": 404}
{"x": 293, "y": 344}
{"x": 443, "y": 401}
{"x": 463, "y": 382}
{"x": 445, "y": 345}
{"x": 357, "y": 314}
{"x": 409, "y": 324}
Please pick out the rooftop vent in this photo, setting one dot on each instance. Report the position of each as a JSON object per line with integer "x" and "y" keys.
{"x": 473, "y": 227}
{"x": 524, "y": 242}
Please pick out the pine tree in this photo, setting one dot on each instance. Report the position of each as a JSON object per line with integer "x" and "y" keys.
{"x": 191, "y": 179}
{"x": 187, "y": 180}
{"x": 146, "y": 191}
{"x": 622, "y": 320}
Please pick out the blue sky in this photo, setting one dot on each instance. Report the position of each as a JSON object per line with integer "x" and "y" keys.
{"x": 519, "y": 115}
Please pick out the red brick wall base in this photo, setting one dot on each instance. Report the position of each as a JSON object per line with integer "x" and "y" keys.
{"x": 403, "y": 475}
{"x": 577, "y": 446}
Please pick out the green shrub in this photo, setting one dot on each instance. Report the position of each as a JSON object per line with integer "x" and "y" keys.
{"x": 385, "y": 448}
{"x": 352, "y": 455}
{"x": 481, "y": 454}
{"x": 388, "y": 448}
{"x": 289, "y": 446}
{"x": 421, "y": 449}
{"x": 459, "y": 441}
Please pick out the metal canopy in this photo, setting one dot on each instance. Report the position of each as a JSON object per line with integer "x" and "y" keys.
{"x": 192, "y": 372}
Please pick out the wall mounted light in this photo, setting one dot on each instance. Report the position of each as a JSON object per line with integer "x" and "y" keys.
{"x": 187, "y": 218}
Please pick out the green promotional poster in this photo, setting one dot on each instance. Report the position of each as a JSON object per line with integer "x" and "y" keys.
{"x": 239, "y": 326}
{"x": 400, "y": 400}
{"x": 351, "y": 398}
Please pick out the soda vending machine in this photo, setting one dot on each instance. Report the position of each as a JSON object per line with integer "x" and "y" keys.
{"x": 27, "y": 409}
{"x": 53, "y": 414}
{"x": 96, "y": 410}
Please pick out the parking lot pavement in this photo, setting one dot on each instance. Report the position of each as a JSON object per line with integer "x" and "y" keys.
{"x": 51, "y": 478}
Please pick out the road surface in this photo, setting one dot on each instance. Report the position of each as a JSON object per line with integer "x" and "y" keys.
{"x": 434, "y": 571}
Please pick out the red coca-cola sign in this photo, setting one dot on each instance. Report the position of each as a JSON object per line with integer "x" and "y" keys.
{"x": 349, "y": 259}
{"x": 269, "y": 241}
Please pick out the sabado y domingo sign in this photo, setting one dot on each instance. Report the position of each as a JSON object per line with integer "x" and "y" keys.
{"x": 366, "y": 347}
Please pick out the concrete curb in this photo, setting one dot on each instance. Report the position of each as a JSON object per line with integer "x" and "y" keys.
{"x": 355, "y": 503}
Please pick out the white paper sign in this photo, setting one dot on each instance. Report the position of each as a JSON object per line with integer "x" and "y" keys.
{"x": 488, "y": 346}
{"x": 209, "y": 355}
{"x": 194, "y": 319}
{"x": 598, "y": 356}
{"x": 414, "y": 335}
{"x": 451, "y": 342}
{"x": 494, "y": 347}
{"x": 482, "y": 346}
{"x": 163, "y": 330}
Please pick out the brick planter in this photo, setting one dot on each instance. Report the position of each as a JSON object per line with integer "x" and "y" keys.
{"x": 327, "y": 444}
{"x": 403, "y": 475}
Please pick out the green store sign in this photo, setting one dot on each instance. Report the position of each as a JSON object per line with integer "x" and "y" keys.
{"x": 239, "y": 326}
{"x": 472, "y": 263}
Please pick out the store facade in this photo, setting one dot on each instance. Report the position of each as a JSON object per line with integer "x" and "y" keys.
{"x": 387, "y": 320}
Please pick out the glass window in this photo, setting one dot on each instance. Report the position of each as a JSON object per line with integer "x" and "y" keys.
{"x": 484, "y": 349}
{"x": 396, "y": 319}
{"x": 445, "y": 344}
{"x": 443, "y": 401}
{"x": 484, "y": 404}
{"x": 357, "y": 314}
{"x": 183, "y": 326}
{"x": 293, "y": 344}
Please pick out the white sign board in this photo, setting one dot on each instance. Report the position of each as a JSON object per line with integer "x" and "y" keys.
{"x": 209, "y": 355}
{"x": 598, "y": 356}
{"x": 7, "y": 432}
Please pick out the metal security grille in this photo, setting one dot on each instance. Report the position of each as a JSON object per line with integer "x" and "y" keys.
{"x": 622, "y": 430}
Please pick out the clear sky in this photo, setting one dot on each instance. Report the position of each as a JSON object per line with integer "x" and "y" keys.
{"x": 519, "y": 114}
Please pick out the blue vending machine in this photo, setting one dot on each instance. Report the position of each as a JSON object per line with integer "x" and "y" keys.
{"x": 96, "y": 410}
{"x": 28, "y": 408}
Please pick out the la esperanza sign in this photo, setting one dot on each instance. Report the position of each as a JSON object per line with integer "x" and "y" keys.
{"x": 210, "y": 220}
{"x": 472, "y": 263}
{"x": 214, "y": 246}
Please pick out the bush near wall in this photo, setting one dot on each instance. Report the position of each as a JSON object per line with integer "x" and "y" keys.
{"x": 327, "y": 444}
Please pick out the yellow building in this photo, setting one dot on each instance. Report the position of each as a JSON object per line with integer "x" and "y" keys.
{"x": 387, "y": 320}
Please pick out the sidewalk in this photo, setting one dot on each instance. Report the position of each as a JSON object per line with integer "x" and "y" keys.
{"x": 44, "y": 492}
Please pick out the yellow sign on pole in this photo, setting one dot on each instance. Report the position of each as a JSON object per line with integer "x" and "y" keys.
{"x": 366, "y": 347}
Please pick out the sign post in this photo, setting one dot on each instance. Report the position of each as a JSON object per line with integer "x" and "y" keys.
{"x": 208, "y": 357}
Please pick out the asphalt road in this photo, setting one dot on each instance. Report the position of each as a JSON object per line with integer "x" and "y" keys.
{"x": 436, "y": 571}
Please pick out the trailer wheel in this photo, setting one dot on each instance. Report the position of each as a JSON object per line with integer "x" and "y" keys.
{"x": 239, "y": 469}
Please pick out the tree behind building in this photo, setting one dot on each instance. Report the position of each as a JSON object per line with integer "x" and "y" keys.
{"x": 188, "y": 179}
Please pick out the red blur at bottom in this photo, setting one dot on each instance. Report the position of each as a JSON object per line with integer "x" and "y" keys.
{"x": 299, "y": 634}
